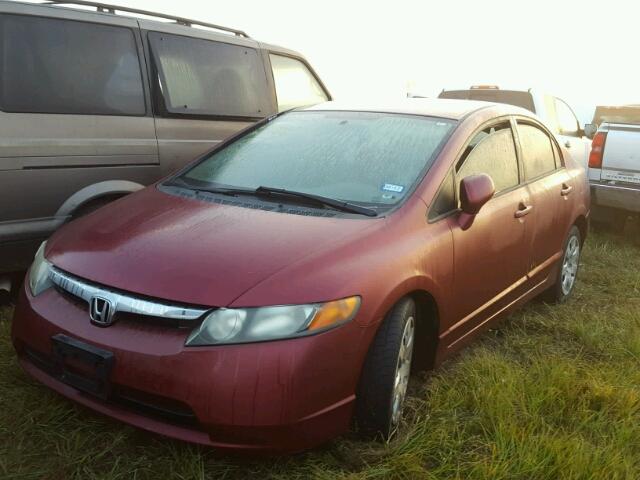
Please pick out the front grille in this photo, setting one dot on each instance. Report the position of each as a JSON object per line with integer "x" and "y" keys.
{"x": 126, "y": 305}
{"x": 143, "y": 403}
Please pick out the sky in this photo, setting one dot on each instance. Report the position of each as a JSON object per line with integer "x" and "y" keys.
{"x": 585, "y": 52}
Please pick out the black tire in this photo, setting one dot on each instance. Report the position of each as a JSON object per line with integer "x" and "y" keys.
{"x": 375, "y": 396}
{"x": 558, "y": 292}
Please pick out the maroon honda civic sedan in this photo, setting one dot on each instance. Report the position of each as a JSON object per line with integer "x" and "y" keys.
{"x": 291, "y": 279}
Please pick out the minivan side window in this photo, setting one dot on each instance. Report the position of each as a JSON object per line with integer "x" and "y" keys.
{"x": 537, "y": 153}
{"x": 491, "y": 151}
{"x": 296, "y": 86}
{"x": 205, "y": 77}
{"x": 70, "y": 67}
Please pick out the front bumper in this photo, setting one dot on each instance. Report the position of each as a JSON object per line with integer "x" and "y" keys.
{"x": 623, "y": 197}
{"x": 273, "y": 397}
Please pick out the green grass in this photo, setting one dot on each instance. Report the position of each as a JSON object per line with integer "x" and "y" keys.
{"x": 553, "y": 393}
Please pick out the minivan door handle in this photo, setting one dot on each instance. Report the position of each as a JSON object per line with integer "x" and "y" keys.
{"x": 566, "y": 190}
{"x": 523, "y": 210}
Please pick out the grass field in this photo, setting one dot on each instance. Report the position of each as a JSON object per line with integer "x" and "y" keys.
{"x": 553, "y": 393}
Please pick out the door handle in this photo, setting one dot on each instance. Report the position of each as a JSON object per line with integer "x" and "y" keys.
{"x": 567, "y": 144}
{"x": 523, "y": 210}
{"x": 566, "y": 190}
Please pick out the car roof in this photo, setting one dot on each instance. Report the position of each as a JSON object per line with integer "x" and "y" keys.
{"x": 431, "y": 107}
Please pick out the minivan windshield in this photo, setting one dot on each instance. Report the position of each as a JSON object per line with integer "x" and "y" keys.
{"x": 358, "y": 157}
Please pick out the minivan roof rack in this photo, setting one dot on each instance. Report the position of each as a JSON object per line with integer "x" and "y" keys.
{"x": 108, "y": 8}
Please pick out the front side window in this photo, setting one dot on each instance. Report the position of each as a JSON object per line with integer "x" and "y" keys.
{"x": 203, "y": 77}
{"x": 537, "y": 152}
{"x": 295, "y": 84}
{"x": 445, "y": 200}
{"x": 63, "y": 66}
{"x": 360, "y": 157}
{"x": 491, "y": 151}
{"x": 567, "y": 121}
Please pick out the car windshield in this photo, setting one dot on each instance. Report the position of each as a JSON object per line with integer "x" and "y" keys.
{"x": 358, "y": 157}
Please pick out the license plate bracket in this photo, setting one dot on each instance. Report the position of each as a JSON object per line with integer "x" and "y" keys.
{"x": 83, "y": 366}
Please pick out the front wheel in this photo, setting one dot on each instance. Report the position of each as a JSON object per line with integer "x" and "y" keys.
{"x": 568, "y": 272}
{"x": 385, "y": 377}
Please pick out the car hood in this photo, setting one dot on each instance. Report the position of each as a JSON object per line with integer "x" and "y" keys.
{"x": 191, "y": 251}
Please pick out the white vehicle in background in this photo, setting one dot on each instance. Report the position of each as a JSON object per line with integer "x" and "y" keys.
{"x": 614, "y": 165}
{"x": 553, "y": 111}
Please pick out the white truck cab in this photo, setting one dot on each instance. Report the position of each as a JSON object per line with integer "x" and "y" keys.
{"x": 553, "y": 111}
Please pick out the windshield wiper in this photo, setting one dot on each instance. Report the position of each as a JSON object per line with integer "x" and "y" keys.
{"x": 325, "y": 201}
{"x": 233, "y": 191}
{"x": 271, "y": 191}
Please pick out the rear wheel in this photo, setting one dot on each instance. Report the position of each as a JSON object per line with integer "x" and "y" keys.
{"x": 385, "y": 377}
{"x": 568, "y": 271}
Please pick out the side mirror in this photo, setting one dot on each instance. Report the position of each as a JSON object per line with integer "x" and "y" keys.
{"x": 475, "y": 191}
{"x": 590, "y": 130}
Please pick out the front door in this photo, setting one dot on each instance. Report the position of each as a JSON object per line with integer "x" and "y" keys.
{"x": 567, "y": 128}
{"x": 490, "y": 258}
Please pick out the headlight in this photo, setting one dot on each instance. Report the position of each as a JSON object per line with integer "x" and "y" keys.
{"x": 243, "y": 325}
{"x": 39, "y": 279}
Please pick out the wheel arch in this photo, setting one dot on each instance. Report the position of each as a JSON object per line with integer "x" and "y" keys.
{"x": 96, "y": 191}
{"x": 427, "y": 318}
{"x": 427, "y": 328}
{"x": 583, "y": 226}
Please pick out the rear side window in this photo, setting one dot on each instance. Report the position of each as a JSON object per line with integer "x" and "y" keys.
{"x": 491, "y": 151}
{"x": 537, "y": 152}
{"x": 203, "y": 77}
{"x": 510, "y": 97}
{"x": 63, "y": 66}
{"x": 295, "y": 84}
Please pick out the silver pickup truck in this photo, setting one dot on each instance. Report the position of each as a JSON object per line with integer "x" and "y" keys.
{"x": 614, "y": 165}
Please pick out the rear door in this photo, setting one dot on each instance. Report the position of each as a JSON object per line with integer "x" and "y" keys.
{"x": 74, "y": 108}
{"x": 206, "y": 87}
{"x": 549, "y": 187}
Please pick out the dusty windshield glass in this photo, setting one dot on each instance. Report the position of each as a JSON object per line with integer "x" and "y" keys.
{"x": 362, "y": 157}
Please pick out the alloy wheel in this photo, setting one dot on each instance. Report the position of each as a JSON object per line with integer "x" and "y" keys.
{"x": 403, "y": 369}
{"x": 570, "y": 265}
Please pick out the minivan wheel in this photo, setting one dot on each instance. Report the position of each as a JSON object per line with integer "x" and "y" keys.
{"x": 385, "y": 376}
{"x": 568, "y": 271}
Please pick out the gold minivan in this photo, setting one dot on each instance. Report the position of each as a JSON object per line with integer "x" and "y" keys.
{"x": 96, "y": 103}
